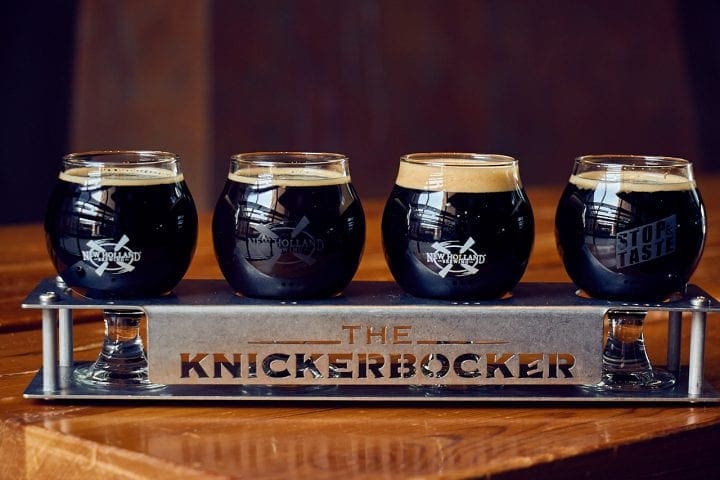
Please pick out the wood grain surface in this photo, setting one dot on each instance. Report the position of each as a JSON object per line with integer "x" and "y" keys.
{"x": 143, "y": 440}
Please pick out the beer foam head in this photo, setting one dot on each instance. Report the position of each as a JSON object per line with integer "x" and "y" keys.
{"x": 121, "y": 168}
{"x": 629, "y": 173}
{"x": 458, "y": 172}
{"x": 105, "y": 176}
{"x": 288, "y": 177}
{"x": 632, "y": 181}
{"x": 289, "y": 169}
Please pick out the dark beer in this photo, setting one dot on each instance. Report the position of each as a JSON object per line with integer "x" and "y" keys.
{"x": 288, "y": 232}
{"x": 630, "y": 235}
{"x": 463, "y": 229}
{"x": 121, "y": 231}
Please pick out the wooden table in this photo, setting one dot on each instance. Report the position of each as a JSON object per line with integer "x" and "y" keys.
{"x": 327, "y": 440}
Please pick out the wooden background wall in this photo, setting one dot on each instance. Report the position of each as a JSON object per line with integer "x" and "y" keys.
{"x": 542, "y": 81}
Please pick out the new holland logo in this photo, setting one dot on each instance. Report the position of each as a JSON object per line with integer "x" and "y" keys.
{"x": 285, "y": 245}
{"x": 451, "y": 257}
{"x": 107, "y": 255}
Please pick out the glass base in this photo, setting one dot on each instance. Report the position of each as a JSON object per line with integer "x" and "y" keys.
{"x": 101, "y": 377}
{"x": 122, "y": 363}
{"x": 626, "y": 366}
{"x": 636, "y": 381}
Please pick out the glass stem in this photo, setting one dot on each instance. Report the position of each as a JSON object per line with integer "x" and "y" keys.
{"x": 625, "y": 347}
{"x": 122, "y": 358}
{"x": 626, "y": 365}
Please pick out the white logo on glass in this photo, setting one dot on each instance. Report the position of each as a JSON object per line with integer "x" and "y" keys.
{"x": 107, "y": 255}
{"x": 285, "y": 245}
{"x": 454, "y": 258}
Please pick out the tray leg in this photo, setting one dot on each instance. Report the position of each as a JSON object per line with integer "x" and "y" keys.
{"x": 49, "y": 343}
{"x": 65, "y": 343}
{"x": 674, "y": 342}
{"x": 697, "y": 347}
{"x": 65, "y": 337}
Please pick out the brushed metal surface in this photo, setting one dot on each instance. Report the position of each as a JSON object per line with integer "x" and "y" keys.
{"x": 372, "y": 342}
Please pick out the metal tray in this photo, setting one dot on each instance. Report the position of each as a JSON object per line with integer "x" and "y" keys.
{"x": 373, "y": 343}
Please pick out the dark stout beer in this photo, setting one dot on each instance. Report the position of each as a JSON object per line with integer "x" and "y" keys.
{"x": 288, "y": 231}
{"x": 121, "y": 231}
{"x": 630, "y": 235}
{"x": 457, "y": 227}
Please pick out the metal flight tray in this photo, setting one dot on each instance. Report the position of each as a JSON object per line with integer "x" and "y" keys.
{"x": 372, "y": 343}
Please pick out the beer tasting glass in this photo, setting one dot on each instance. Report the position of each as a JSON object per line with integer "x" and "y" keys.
{"x": 121, "y": 225}
{"x": 630, "y": 228}
{"x": 288, "y": 225}
{"x": 457, "y": 225}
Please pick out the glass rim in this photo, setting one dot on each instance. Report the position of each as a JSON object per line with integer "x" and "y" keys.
{"x": 633, "y": 161}
{"x": 289, "y": 158}
{"x": 123, "y": 158}
{"x": 460, "y": 159}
